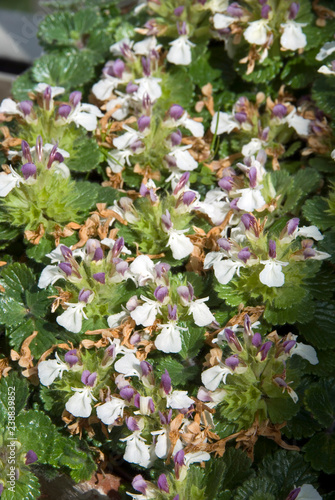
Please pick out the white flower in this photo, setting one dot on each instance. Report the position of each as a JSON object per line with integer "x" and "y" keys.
{"x": 196, "y": 457}
{"x": 180, "y": 51}
{"x": 49, "y": 370}
{"x": 124, "y": 141}
{"x": 146, "y": 313}
{"x": 180, "y": 245}
{"x": 225, "y": 270}
{"x": 50, "y": 275}
{"x": 184, "y": 160}
{"x": 252, "y": 147}
{"x": 215, "y": 5}
{"x": 41, "y": 87}
{"x": 215, "y": 205}
{"x": 115, "y": 320}
{"x": 146, "y": 46}
{"x": 223, "y": 123}
{"x": 325, "y": 51}
{"x": 148, "y": 85}
{"x": 256, "y": 33}
{"x": 309, "y": 232}
{"x": 196, "y": 128}
{"x": 169, "y": 340}
{"x": 80, "y": 403}
{"x": 117, "y": 159}
{"x": 72, "y": 318}
{"x": 251, "y": 199}
{"x": 299, "y": 123}
{"x": 202, "y": 315}
{"x": 85, "y": 115}
{"x": 325, "y": 70}
{"x": 308, "y": 492}
{"x": 305, "y": 351}
{"x": 211, "y": 378}
{"x": 177, "y": 400}
{"x": 103, "y": 89}
{"x": 111, "y": 411}
{"x": 272, "y": 275}
{"x": 9, "y": 181}
{"x": 222, "y": 21}
{"x": 293, "y": 38}
{"x": 137, "y": 452}
{"x": 142, "y": 270}
{"x": 129, "y": 366}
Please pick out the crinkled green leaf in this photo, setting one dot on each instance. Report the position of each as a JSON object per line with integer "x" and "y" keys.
{"x": 320, "y": 331}
{"x": 27, "y": 487}
{"x": 301, "y": 426}
{"x": 21, "y": 392}
{"x": 315, "y": 210}
{"x": 323, "y": 93}
{"x": 320, "y": 401}
{"x": 85, "y": 156}
{"x": 320, "y": 452}
{"x": 180, "y": 373}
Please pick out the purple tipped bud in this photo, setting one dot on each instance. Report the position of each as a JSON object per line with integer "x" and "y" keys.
{"x": 224, "y": 244}
{"x": 265, "y": 349}
{"x": 184, "y": 293}
{"x": 241, "y": 117}
{"x": 244, "y": 254}
{"x": 117, "y": 247}
{"x": 279, "y": 381}
{"x": 182, "y": 28}
{"x": 293, "y": 494}
{"x": 177, "y": 496}
{"x": 288, "y": 345}
{"x": 132, "y": 303}
{"x": 84, "y": 376}
{"x": 84, "y": 295}
{"x": 39, "y": 148}
{"x": 135, "y": 338}
{"x": 179, "y": 457}
{"x": 182, "y": 182}
{"x": 91, "y": 245}
{"x": 98, "y": 254}
{"x": 144, "y": 190}
{"x": 248, "y": 220}
{"x": 132, "y": 424}
{"x": 151, "y": 406}
{"x": 309, "y": 253}
{"x": 257, "y": 340}
{"x": 234, "y": 10}
{"x": 138, "y": 144}
{"x": 176, "y": 111}
{"x": 71, "y": 357}
{"x": 121, "y": 267}
{"x": 64, "y": 110}
{"x": 47, "y": 95}
{"x": 166, "y": 382}
{"x": 226, "y": 183}
{"x": 179, "y": 10}
{"x": 261, "y": 156}
{"x": 188, "y": 197}
{"x": 66, "y": 251}
{"x": 91, "y": 379}
{"x": 272, "y": 249}
{"x": 139, "y": 484}
{"x": 146, "y": 368}
{"x": 146, "y": 66}
{"x": 26, "y": 107}
{"x": 137, "y": 399}
{"x": 118, "y": 68}
{"x": 294, "y": 9}
{"x": 1, "y": 488}
{"x": 162, "y": 268}
{"x": 26, "y": 151}
{"x": 58, "y": 157}
{"x": 100, "y": 277}
{"x": 292, "y": 225}
{"x": 262, "y": 2}
{"x": 131, "y": 88}
{"x": 232, "y": 362}
{"x": 127, "y": 393}
{"x": 146, "y": 102}
{"x": 176, "y": 138}
{"x": 143, "y": 122}
{"x": 31, "y": 457}
{"x": 28, "y": 170}
{"x": 265, "y": 11}
{"x": 247, "y": 325}
{"x": 279, "y": 110}
{"x": 163, "y": 484}
{"x": 166, "y": 220}
{"x": 232, "y": 339}
{"x": 253, "y": 177}
{"x": 66, "y": 268}
{"x": 75, "y": 98}
{"x": 161, "y": 293}
{"x": 265, "y": 134}
{"x": 172, "y": 312}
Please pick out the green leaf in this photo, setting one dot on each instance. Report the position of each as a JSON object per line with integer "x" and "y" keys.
{"x": 281, "y": 409}
{"x": 15, "y": 278}
{"x": 323, "y": 93}
{"x": 320, "y": 452}
{"x": 27, "y": 487}
{"x": 301, "y": 426}
{"x": 192, "y": 340}
{"x": 315, "y": 210}
{"x": 320, "y": 332}
{"x": 180, "y": 373}
{"x": 16, "y": 386}
{"x": 22, "y": 85}
{"x": 320, "y": 401}
{"x": 85, "y": 156}
{"x": 238, "y": 468}
{"x": 258, "y": 488}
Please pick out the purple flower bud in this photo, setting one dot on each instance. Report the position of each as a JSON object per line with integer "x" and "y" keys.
{"x": 100, "y": 277}
{"x": 244, "y": 254}
{"x": 234, "y": 10}
{"x": 26, "y": 107}
{"x": 118, "y": 68}
{"x": 131, "y": 423}
{"x": 272, "y": 249}
{"x": 247, "y": 325}
{"x": 279, "y": 110}
{"x": 31, "y": 457}
{"x": 182, "y": 29}
{"x": 131, "y": 88}
{"x": 146, "y": 368}
{"x": 253, "y": 177}
{"x": 309, "y": 253}
{"x": 184, "y": 293}
{"x": 52, "y": 156}
{"x": 232, "y": 362}
{"x": 127, "y": 393}
{"x": 163, "y": 484}
{"x": 179, "y": 10}
{"x": 294, "y": 9}
{"x": 232, "y": 339}
{"x": 176, "y": 138}
{"x": 288, "y": 345}
{"x": 151, "y": 406}
{"x": 265, "y": 134}
{"x": 26, "y": 151}
{"x": 166, "y": 382}
{"x": 176, "y": 111}
{"x": 257, "y": 340}
{"x": 91, "y": 379}
{"x": 135, "y": 338}
{"x": 166, "y": 220}
{"x": 75, "y": 98}
{"x": 241, "y": 117}
{"x": 132, "y": 303}
{"x": 121, "y": 267}
{"x": 179, "y": 457}
{"x": 91, "y": 245}
{"x": 66, "y": 267}
{"x": 224, "y": 244}
{"x": 28, "y": 170}
{"x": 146, "y": 66}
{"x": 143, "y": 122}
{"x": 161, "y": 293}
{"x": 117, "y": 247}
{"x": 146, "y": 102}
{"x": 84, "y": 295}
{"x": 98, "y": 254}
{"x": 293, "y": 494}
{"x": 279, "y": 381}
{"x": 138, "y": 144}
{"x": 177, "y": 496}
{"x": 66, "y": 251}
{"x": 139, "y": 484}
{"x": 1, "y": 488}
{"x": 265, "y": 349}
{"x": 64, "y": 110}
{"x": 84, "y": 376}
{"x": 162, "y": 418}
{"x": 182, "y": 182}
{"x": 39, "y": 148}
{"x": 137, "y": 399}
{"x": 248, "y": 220}
{"x": 172, "y": 312}
{"x": 262, "y": 2}
{"x": 188, "y": 197}
{"x": 203, "y": 395}
{"x": 261, "y": 156}
{"x": 292, "y": 225}
{"x": 58, "y": 157}
{"x": 265, "y": 11}
{"x": 47, "y": 96}
{"x": 71, "y": 357}
{"x": 144, "y": 190}
{"x": 226, "y": 183}
{"x": 162, "y": 268}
